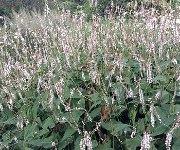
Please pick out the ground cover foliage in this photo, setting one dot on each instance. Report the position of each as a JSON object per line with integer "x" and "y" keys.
{"x": 107, "y": 83}
{"x": 99, "y": 6}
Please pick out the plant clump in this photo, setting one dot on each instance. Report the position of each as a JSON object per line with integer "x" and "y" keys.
{"x": 111, "y": 82}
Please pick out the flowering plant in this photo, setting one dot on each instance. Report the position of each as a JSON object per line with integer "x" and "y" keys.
{"x": 110, "y": 83}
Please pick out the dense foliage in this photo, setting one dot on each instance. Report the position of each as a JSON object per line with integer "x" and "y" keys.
{"x": 88, "y": 6}
{"x": 110, "y": 83}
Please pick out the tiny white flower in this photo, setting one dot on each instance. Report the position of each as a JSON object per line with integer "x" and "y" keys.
{"x": 158, "y": 95}
{"x": 86, "y": 142}
{"x": 174, "y": 61}
{"x": 83, "y": 76}
{"x": 53, "y": 144}
{"x": 15, "y": 139}
{"x": 64, "y": 119}
{"x": 178, "y": 78}
{"x": 141, "y": 96}
{"x": 1, "y": 107}
{"x": 168, "y": 140}
{"x": 152, "y": 114}
{"x": 133, "y": 133}
{"x": 149, "y": 73}
{"x": 146, "y": 141}
{"x": 130, "y": 93}
{"x": 178, "y": 21}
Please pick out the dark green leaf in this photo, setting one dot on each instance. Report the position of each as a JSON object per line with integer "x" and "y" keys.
{"x": 49, "y": 122}
{"x": 133, "y": 143}
{"x": 69, "y": 131}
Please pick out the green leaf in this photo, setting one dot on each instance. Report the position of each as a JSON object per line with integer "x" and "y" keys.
{"x": 77, "y": 142}
{"x": 177, "y": 108}
{"x": 177, "y": 133}
{"x": 166, "y": 97}
{"x": 49, "y": 122}
{"x": 104, "y": 146}
{"x": 119, "y": 108}
{"x": 34, "y": 110}
{"x": 115, "y": 127}
{"x": 94, "y": 97}
{"x": 37, "y": 142}
{"x": 141, "y": 125}
{"x": 6, "y": 138}
{"x": 153, "y": 147}
{"x": 164, "y": 64}
{"x": 42, "y": 132}
{"x": 176, "y": 145}
{"x": 160, "y": 129}
{"x": 29, "y": 131}
{"x": 76, "y": 95}
{"x": 94, "y": 113}
{"x": 64, "y": 143}
{"x": 95, "y": 104}
{"x": 7, "y": 114}
{"x": 81, "y": 103}
{"x": 66, "y": 92}
{"x": 68, "y": 133}
{"x": 74, "y": 116}
{"x": 163, "y": 112}
{"x": 46, "y": 143}
{"x": 160, "y": 78}
{"x": 94, "y": 143}
{"x": 10, "y": 121}
{"x": 27, "y": 148}
{"x": 133, "y": 143}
